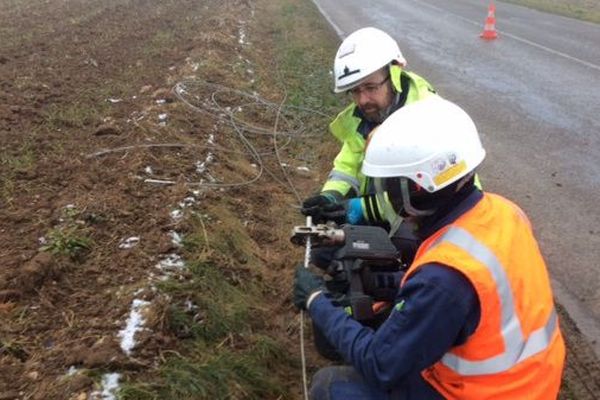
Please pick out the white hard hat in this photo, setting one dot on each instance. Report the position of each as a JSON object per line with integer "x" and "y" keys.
{"x": 432, "y": 142}
{"x": 362, "y": 53}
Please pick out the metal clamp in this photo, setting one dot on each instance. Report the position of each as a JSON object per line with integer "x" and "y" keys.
{"x": 320, "y": 235}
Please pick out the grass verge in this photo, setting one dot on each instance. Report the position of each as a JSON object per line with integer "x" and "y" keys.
{"x": 224, "y": 314}
{"x": 586, "y": 10}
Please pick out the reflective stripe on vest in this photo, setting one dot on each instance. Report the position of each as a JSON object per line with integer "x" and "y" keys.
{"x": 517, "y": 348}
{"x": 349, "y": 179}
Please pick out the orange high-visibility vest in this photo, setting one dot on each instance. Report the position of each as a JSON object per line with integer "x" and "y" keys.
{"x": 517, "y": 350}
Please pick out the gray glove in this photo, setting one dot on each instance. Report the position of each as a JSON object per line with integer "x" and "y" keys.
{"x": 305, "y": 284}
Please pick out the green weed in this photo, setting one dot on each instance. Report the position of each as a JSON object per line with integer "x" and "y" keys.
{"x": 224, "y": 375}
{"x": 23, "y": 160}
{"x": 71, "y": 116}
{"x": 70, "y": 237}
{"x": 138, "y": 392}
{"x": 216, "y": 313}
{"x": 221, "y": 306}
{"x": 13, "y": 349}
{"x": 67, "y": 241}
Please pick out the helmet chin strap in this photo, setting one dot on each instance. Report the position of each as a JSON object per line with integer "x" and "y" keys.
{"x": 412, "y": 211}
{"x": 407, "y": 205}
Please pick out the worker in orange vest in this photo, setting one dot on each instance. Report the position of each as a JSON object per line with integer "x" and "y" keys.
{"x": 474, "y": 316}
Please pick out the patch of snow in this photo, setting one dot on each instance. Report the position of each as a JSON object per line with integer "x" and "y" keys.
{"x": 189, "y": 306}
{"x": 201, "y": 166}
{"x": 180, "y": 89}
{"x": 109, "y": 386}
{"x": 160, "y": 101}
{"x": 176, "y": 214}
{"x": 171, "y": 262}
{"x": 135, "y": 323}
{"x": 72, "y": 370}
{"x": 162, "y": 117}
{"x": 187, "y": 202}
{"x": 129, "y": 242}
{"x": 176, "y": 238}
{"x": 303, "y": 169}
{"x": 148, "y": 170}
{"x": 211, "y": 178}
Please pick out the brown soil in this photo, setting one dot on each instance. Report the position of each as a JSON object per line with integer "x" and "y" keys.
{"x": 82, "y": 76}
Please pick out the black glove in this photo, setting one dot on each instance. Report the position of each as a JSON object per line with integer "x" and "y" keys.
{"x": 305, "y": 284}
{"x": 323, "y": 208}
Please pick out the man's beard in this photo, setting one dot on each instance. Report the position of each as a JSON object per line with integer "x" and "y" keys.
{"x": 376, "y": 114}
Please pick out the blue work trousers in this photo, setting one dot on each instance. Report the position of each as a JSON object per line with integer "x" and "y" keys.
{"x": 344, "y": 383}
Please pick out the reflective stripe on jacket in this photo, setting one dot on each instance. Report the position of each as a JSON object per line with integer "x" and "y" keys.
{"x": 345, "y": 175}
{"x": 517, "y": 350}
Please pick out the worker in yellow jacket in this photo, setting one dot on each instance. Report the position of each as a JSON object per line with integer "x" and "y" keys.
{"x": 371, "y": 68}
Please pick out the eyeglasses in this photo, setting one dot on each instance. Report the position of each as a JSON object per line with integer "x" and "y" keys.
{"x": 369, "y": 88}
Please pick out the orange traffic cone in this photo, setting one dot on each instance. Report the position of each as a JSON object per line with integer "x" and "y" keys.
{"x": 489, "y": 29}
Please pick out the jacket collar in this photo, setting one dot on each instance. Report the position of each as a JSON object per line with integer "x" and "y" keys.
{"x": 466, "y": 201}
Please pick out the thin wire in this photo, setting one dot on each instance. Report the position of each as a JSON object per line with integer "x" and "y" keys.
{"x": 307, "y": 248}
{"x": 216, "y": 110}
{"x": 307, "y": 251}
{"x": 133, "y": 147}
{"x": 222, "y": 113}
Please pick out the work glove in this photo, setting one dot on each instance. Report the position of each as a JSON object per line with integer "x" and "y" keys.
{"x": 324, "y": 207}
{"x": 306, "y": 284}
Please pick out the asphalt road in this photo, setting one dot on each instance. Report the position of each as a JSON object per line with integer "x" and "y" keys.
{"x": 534, "y": 94}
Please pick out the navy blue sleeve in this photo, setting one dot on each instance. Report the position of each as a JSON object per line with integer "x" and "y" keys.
{"x": 435, "y": 310}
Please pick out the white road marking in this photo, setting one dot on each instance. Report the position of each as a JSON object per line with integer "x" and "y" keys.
{"x": 339, "y": 32}
{"x": 515, "y": 37}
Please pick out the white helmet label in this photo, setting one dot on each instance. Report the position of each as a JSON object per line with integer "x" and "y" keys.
{"x": 346, "y": 49}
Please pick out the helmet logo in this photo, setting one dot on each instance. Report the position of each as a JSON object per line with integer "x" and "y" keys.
{"x": 347, "y": 72}
{"x": 439, "y": 165}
